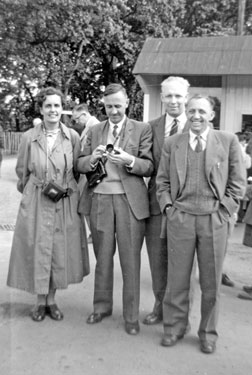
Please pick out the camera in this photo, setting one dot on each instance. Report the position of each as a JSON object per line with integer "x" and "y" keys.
{"x": 110, "y": 148}
{"x": 55, "y": 192}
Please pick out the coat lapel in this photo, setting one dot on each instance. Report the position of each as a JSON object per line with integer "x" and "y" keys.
{"x": 126, "y": 133}
{"x": 181, "y": 153}
{"x": 214, "y": 152}
{"x": 159, "y": 130}
{"x": 103, "y": 133}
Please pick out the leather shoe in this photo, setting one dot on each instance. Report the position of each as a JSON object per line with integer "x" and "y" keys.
{"x": 170, "y": 340}
{"x": 132, "y": 328}
{"x": 97, "y": 317}
{"x": 207, "y": 347}
{"x": 54, "y": 312}
{"x": 39, "y": 313}
{"x": 225, "y": 280}
{"x": 247, "y": 288}
{"x": 247, "y": 296}
{"x": 152, "y": 319}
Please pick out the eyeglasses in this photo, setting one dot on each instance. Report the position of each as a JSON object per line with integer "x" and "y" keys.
{"x": 75, "y": 120}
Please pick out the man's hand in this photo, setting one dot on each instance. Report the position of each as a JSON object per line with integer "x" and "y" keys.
{"x": 120, "y": 157}
{"x": 97, "y": 154}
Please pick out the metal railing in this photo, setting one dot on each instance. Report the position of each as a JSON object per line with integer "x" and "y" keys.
{"x": 11, "y": 142}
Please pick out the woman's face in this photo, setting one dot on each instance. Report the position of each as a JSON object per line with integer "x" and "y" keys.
{"x": 51, "y": 110}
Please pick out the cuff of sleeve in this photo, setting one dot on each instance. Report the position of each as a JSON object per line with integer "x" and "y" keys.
{"x": 132, "y": 163}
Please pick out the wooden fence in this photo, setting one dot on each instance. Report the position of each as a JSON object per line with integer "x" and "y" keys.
{"x": 11, "y": 142}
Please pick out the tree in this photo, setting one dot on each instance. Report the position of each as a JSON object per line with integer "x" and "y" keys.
{"x": 82, "y": 45}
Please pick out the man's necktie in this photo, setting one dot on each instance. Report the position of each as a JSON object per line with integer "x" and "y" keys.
{"x": 114, "y": 132}
{"x": 198, "y": 147}
{"x": 174, "y": 127}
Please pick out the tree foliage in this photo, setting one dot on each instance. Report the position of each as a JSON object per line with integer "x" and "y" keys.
{"x": 83, "y": 45}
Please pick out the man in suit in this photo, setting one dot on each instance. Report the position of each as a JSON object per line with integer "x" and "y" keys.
{"x": 119, "y": 203}
{"x": 174, "y": 94}
{"x": 81, "y": 121}
{"x": 200, "y": 179}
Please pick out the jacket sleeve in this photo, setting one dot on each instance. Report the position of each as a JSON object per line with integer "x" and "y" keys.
{"x": 143, "y": 165}
{"x": 76, "y": 143}
{"x": 22, "y": 170}
{"x": 236, "y": 184}
{"x": 163, "y": 177}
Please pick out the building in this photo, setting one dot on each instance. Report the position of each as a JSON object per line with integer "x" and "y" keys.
{"x": 216, "y": 66}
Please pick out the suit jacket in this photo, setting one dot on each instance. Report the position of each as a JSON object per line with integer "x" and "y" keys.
{"x": 137, "y": 141}
{"x": 224, "y": 169}
{"x": 158, "y": 129}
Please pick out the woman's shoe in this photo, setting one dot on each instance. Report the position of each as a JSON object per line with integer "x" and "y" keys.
{"x": 39, "y": 313}
{"x": 54, "y": 312}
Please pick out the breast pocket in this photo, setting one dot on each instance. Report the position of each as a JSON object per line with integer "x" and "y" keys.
{"x": 132, "y": 149}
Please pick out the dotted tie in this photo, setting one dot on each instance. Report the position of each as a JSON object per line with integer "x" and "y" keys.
{"x": 198, "y": 147}
{"x": 114, "y": 132}
{"x": 174, "y": 127}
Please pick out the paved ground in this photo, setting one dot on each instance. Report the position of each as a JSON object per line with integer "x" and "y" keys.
{"x": 72, "y": 347}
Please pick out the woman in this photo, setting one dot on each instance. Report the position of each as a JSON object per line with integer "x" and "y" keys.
{"x": 49, "y": 249}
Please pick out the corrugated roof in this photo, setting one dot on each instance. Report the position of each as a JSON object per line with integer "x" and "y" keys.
{"x": 196, "y": 56}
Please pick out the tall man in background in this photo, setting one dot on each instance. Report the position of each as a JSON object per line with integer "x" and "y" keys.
{"x": 174, "y": 93}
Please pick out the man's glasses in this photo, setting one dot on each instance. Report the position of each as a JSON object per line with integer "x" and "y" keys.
{"x": 76, "y": 119}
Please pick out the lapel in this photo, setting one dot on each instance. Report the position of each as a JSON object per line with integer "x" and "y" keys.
{"x": 181, "y": 151}
{"x": 159, "y": 129}
{"x": 126, "y": 133}
{"x": 214, "y": 152}
{"x": 102, "y": 133}
{"x": 38, "y": 136}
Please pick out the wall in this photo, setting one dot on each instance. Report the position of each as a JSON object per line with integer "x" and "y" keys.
{"x": 236, "y": 100}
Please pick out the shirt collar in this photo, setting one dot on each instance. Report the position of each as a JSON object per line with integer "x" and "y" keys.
{"x": 119, "y": 124}
{"x": 181, "y": 118}
{"x": 203, "y": 135}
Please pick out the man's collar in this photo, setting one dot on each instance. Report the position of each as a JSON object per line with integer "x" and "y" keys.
{"x": 181, "y": 118}
{"x": 203, "y": 135}
{"x": 119, "y": 124}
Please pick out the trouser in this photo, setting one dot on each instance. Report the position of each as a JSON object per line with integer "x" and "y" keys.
{"x": 158, "y": 260}
{"x": 208, "y": 235}
{"x": 112, "y": 221}
{"x": 157, "y": 254}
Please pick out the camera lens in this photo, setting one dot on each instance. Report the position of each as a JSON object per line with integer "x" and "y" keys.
{"x": 109, "y": 148}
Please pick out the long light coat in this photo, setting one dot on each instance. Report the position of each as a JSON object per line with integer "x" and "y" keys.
{"x": 48, "y": 241}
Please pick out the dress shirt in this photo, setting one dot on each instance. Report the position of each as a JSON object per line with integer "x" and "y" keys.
{"x": 193, "y": 139}
{"x": 181, "y": 120}
{"x": 119, "y": 128}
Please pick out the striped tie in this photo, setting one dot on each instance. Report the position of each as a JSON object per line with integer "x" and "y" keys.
{"x": 198, "y": 147}
{"x": 114, "y": 132}
{"x": 174, "y": 127}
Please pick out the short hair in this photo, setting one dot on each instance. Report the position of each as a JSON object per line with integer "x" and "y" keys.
{"x": 43, "y": 93}
{"x": 182, "y": 81}
{"x": 206, "y": 97}
{"x": 81, "y": 107}
{"x": 113, "y": 88}
{"x": 241, "y": 136}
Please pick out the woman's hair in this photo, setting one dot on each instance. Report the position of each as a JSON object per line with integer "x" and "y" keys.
{"x": 43, "y": 93}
